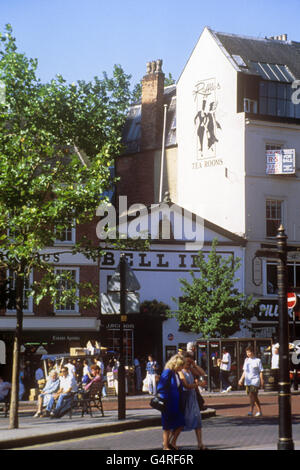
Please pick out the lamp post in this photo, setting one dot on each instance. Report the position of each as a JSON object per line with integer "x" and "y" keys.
{"x": 285, "y": 441}
{"x": 121, "y": 368}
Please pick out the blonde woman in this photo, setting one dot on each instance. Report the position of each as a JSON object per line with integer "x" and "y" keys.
{"x": 169, "y": 388}
{"x": 192, "y": 414}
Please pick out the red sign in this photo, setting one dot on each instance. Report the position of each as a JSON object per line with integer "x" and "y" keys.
{"x": 291, "y": 299}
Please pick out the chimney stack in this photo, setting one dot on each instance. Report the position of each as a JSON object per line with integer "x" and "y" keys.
{"x": 282, "y": 37}
{"x": 152, "y": 105}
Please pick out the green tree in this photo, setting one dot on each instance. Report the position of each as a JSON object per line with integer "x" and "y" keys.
{"x": 211, "y": 305}
{"x": 58, "y": 142}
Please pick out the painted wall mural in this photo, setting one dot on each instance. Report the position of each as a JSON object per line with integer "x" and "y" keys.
{"x": 206, "y": 124}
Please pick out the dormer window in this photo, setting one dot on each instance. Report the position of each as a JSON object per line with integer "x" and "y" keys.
{"x": 275, "y": 100}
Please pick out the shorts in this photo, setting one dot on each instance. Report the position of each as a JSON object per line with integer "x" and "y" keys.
{"x": 252, "y": 389}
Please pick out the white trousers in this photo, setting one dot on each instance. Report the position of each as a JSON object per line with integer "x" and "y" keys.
{"x": 151, "y": 383}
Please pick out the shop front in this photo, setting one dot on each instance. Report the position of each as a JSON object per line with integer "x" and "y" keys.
{"x": 45, "y": 336}
{"x": 210, "y": 350}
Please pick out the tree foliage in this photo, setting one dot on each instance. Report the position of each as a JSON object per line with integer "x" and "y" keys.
{"x": 58, "y": 142}
{"x": 210, "y": 304}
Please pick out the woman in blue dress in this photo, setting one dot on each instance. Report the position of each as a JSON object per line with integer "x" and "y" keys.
{"x": 192, "y": 413}
{"x": 169, "y": 388}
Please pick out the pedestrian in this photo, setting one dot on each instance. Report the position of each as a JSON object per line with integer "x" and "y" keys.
{"x": 192, "y": 413}
{"x": 21, "y": 384}
{"x": 275, "y": 356}
{"x": 151, "y": 369}
{"x": 253, "y": 378}
{"x": 169, "y": 388}
{"x": 138, "y": 375}
{"x": 4, "y": 388}
{"x": 86, "y": 373}
{"x": 38, "y": 375}
{"x": 197, "y": 371}
{"x": 100, "y": 363}
{"x": 71, "y": 368}
{"x": 225, "y": 367}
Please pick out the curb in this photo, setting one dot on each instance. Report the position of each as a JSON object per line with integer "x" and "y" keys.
{"x": 89, "y": 431}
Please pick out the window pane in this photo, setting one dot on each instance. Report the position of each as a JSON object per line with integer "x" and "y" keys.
{"x": 272, "y": 106}
{"x": 263, "y": 108}
{"x": 271, "y": 279}
{"x": 297, "y": 275}
{"x": 290, "y": 276}
{"x": 263, "y": 89}
{"x": 290, "y": 112}
{"x": 281, "y": 108}
{"x": 281, "y": 91}
{"x": 272, "y": 90}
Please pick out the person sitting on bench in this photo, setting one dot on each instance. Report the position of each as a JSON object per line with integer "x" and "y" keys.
{"x": 67, "y": 385}
{"x": 51, "y": 387}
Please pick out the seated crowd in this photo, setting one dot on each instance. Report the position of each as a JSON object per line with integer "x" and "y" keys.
{"x": 56, "y": 397}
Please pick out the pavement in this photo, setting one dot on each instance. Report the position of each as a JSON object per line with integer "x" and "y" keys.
{"x": 44, "y": 430}
{"x": 34, "y": 431}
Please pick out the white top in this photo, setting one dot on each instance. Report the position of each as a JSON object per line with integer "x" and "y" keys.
{"x": 226, "y": 357}
{"x": 275, "y": 361}
{"x": 65, "y": 383}
{"x": 252, "y": 368}
{"x": 86, "y": 370}
{"x": 71, "y": 368}
{"x": 101, "y": 366}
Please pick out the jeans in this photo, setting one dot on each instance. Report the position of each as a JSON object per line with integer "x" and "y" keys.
{"x": 224, "y": 374}
{"x": 62, "y": 404}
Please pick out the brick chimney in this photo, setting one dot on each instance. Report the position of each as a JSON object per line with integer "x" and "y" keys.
{"x": 152, "y": 106}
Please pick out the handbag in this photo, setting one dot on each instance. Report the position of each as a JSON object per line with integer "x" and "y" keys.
{"x": 158, "y": 403}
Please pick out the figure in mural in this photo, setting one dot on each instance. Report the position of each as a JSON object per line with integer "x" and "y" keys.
{"x": 207, "y": 125}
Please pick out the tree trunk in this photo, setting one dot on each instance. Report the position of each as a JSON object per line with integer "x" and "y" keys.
{"x": 14, "y": 402}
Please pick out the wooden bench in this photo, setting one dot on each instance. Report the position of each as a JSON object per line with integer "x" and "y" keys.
{"x": 85, "y": 400}
{"x": 6, "y": 404}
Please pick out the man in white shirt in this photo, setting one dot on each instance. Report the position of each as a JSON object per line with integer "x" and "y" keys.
{"x": 225, "y": 367}
{"x": 253, "y": 378}
{"x": 67, "y": 385}
{"x": 275, "y": 356}
{"x": 71, "y": 368}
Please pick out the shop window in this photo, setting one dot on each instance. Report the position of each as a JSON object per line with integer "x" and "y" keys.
{"x": 113, "y": 344}
{"x": 293, "y": 277}
{"x": 274, "y": 208}
{"x": 69, "y": 280}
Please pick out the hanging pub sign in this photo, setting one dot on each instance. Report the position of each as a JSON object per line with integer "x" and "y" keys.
{"x": 280, "y": 162}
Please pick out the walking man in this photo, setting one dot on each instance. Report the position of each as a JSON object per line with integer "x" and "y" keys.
{"x": 151, "y": 369}
{"x": 253, "y": 378}
{"x": 225, "y": 367}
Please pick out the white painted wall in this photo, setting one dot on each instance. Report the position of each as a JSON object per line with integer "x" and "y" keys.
{"x": 211, "y": 185}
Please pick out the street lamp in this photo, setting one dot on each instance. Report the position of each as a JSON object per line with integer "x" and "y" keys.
{"x": 285, "y": 441}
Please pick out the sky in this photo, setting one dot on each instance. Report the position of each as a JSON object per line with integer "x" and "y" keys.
{"x": 81, "y": 39}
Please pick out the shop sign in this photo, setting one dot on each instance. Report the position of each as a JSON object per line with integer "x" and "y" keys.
{"x": 116, "y": 326}
{"x": 268, "y": 310}
{"x": 170, "y": 337}
{"x": 65, "y": 338}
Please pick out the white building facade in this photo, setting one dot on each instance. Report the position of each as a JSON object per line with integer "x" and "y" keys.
{"x": 234, "y": 106}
